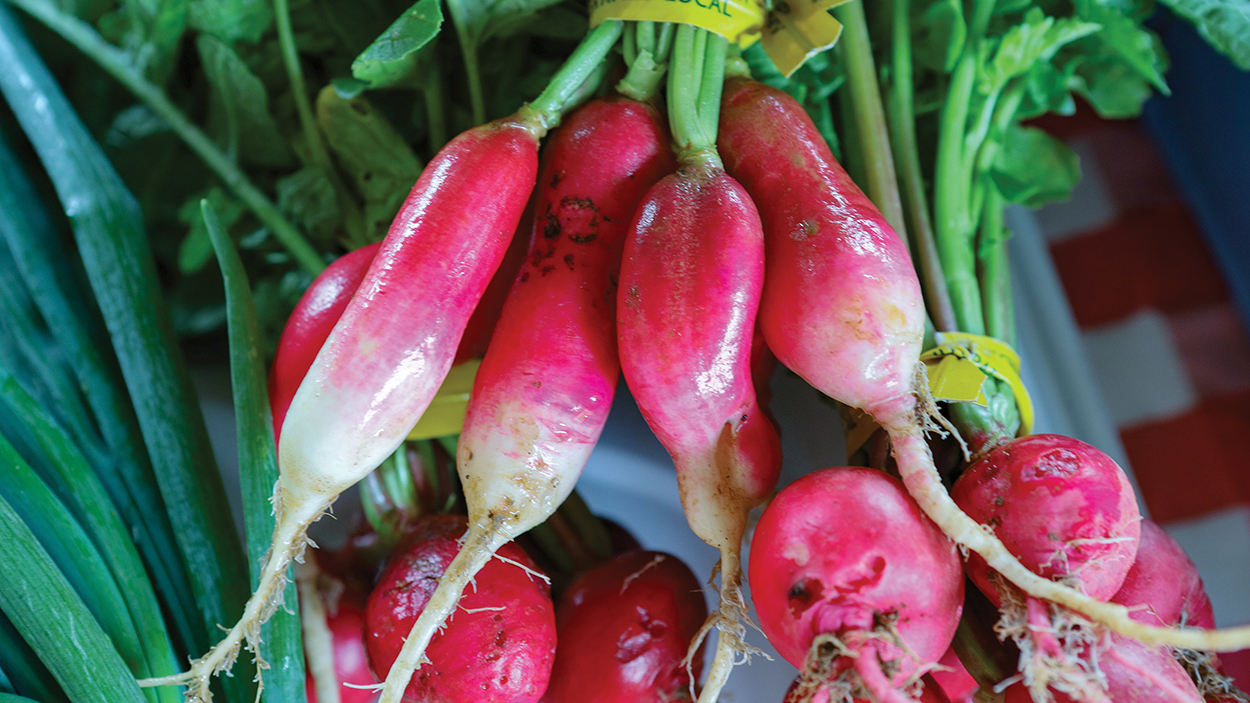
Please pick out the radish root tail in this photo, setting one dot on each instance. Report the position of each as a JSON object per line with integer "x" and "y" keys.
{"x": 861, "y": 666}
{"x": 730, "y": 621}
{"x": 289, "y": 541}
{"x": 1058, "y": 649}
{"x": 1202, "y": 667}
{"x": 480, "y": 544}
{"x": 903, "y": 423}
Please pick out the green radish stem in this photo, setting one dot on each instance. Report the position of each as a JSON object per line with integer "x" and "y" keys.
{"x": 865, "y": 100}
{"x": 649, "y": 63}
{"x": 907, "y": 157}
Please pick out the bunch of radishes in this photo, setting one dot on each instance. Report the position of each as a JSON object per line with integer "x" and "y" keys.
{"x": 652, "y": 249}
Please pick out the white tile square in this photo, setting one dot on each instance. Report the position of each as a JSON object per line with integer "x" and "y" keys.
{"x": 1219, "y": 544}
{"x": 1139, "y": 369}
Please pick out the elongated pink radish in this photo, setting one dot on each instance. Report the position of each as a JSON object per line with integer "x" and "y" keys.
{"x": 1067, "y": 511}
{"x": 690, "y": 286}
{"x": 543, "y": 391}
{"x": 395, "y": 342}
{"x": 854, "y": 585}
{"x": 842, "y": 309}
{"x": 309, "y": 325}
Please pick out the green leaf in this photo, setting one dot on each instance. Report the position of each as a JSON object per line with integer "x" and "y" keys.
{"x": 392, "y": 57}
{"x": 71, "y": 550}
{"x": 368, "y": 148}
{"x": 308, "y": 199}
{"x": 282, "y": 644}
{"x": 1047, "y": 89}
{"x": 1033, "y": 168}
{"x": 480, "y": 20}
{"x": 1135, "y": 44}
{"x": 196, "y": 249}
{"x": 52, "y": 619}
{"x": 64, "y": 469}
{"x": 231, "y": 20}
{"x": 108, "y": 228}
{"x": 1038, "y": 38}
{"x": 252, "y": 136}
{"x": 25, "y": 673}
{"x": 1112, "y": 86}
{"x": 938, "y": 34}
{"x": 1225, "y": 24}
{"x": 58, "y": 288}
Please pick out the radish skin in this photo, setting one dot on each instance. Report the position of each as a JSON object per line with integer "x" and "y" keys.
{"x": 309, "y": 325}
{"x": 846, "y": 573}
{"x": 691, "y": 279}
{"x": 542, "y": 394}
{"x": 842, "y": 309}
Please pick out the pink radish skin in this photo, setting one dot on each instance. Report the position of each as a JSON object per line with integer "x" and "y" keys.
{"x": 1064, "y": 508}
{"x": 497, "y": 648}
{"x": 838, "y": 552}
{"x": 390, "y": 350}
{"x": 1067, "y": 511}
{"x": 1135, "y": 673}
{"x": 543, "y": 391}
{"x": 1163, "y": 586}
{"x": 932, "y": 693}
{"x": 842, "y": 309}
{"x": 309, "y": 325}
{"x": 690, "y": 284}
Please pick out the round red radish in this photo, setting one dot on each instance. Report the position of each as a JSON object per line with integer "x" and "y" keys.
{"x": 1163, "y": 586}
{"x": 845, "y": 552}
{"x": 1134, "y": 673}
{"x": 931, "y": 693}
{"x": 1064, "y": 508}
{"x": 624, "y": 629}
{"x": 499, "y": 645}
{"x": 953, "y": 677}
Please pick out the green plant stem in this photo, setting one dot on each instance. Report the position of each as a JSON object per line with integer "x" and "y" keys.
{"x": 468, "y": 49}
{"x": 712, "y": 83}
{"x": 116, "y": 64}
{"x": 685, "y": 77}
{"x": 865, "y": 101}
{"x": 907, "y": 161}
{"x": 995, "y": 272}
{"x": 548, "y": 108}
{"x": 952, "y": 188}
{"x": 648, "y": 67}
{"x": 353, "y": 222}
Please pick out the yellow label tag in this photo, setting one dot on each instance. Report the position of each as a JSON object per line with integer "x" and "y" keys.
{"x": 797, "y": 30}
{"x": 445, "y": 416}
{"x": 957, "y": 369}
{"x": 793, "y": 32}
{"x": 990, "y": 356}
{"x": 739, "y": 21}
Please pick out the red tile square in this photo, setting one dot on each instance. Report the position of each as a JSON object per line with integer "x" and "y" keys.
{"x": 1149, "y": 257}
{"x": 1194, "y": 463}
{"x": 1214, "y": 347}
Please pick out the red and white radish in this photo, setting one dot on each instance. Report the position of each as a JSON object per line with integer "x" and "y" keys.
{"x": 542, "y": 394}
{"x": 842, "y": 308}
{"x": 624, "y": 628}
{"x": 333, "y": 623}
{"x": 393, "y": 345}
{"x": 854, "y": 585}
{"x": 690, "y": 286}
{"x": 499, "y": 645}
{"x": 309, "y": 325}
{"x": 1067, "y": 511}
